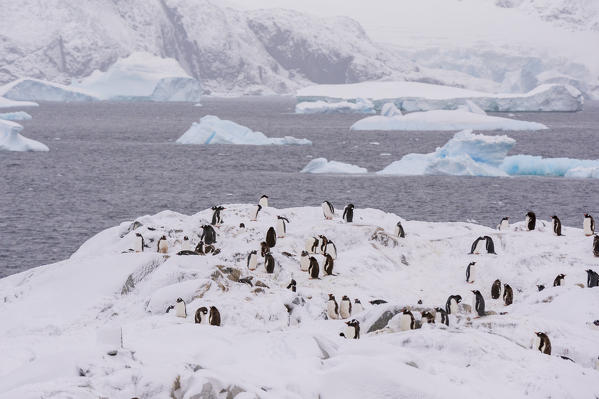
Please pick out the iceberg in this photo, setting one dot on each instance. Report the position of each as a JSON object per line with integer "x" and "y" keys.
{"x": 6, "y": 103}
{"x": 390, "y": 110}
{"x": 11, "y": 140}
{"x": 41, "y": 90}
{"x": 415, "y": 96}
{"x": 321, "y": 165}
{"x": 213, "y": 130}
{"x": 360, "y": 106}
{"x": 15, "y": 116}
{"x": 530, "y": 165}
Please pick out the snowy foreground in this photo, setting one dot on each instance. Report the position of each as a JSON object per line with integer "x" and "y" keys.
{"x": 60, "y": 321}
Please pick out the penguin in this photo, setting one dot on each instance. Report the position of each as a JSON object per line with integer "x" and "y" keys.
{"x": 399, "y": 231}
{"x": 271, "y": 237}
{"x": 282, "y": 226}
{"x": 186, "y": 244}
{"x": 357, "y": 307}
{"x": 531, "y": 221}
{"x": 201, "y": 315}
{"x": 214, "y": 316}
{"x": 557, "y": 226}
{"x": 217, "y": 220}
{"x": 504, "y": 225}
{"x": 138, "y": 245}
{"x": 508, "y": 295}
{"x": 352, "y": 331}
{"x": 490, "y": 246}
{"x": 496, "y": 289}
{"x": 592, "y": 279}
{"x": 304, "y": 261}
{"x": 348, "y": 213}
{"x": 542, "y": 343}
{"x": 588, "y": 225}
{"x": 180, "y": 309}
{"x": 345, "y": 307}
{"x": 332, "y": 308}
{"x": 328, "y": 210}
{"x": 406, "y": 321}
{"x": 328, "y": 265}
{"x": 200, "y": 248}
{"x": 559, "y": 280}
{"x": 330, "y": 249}
{"x": 479, "y": 303}
{"x": 323, "y": 244}
{"x": 162, "y": 245}
{"x": 264, "y": 249}
{"x": 428, "y": 316}
{"x": 470, "y": 271}
{"x": 596, "y": 246}
{"x": 377, "y": 302}
{"x": 313, "y": 268}
{"x": 312, "y": 245}
{"x": 269, "y": 263}
{"x": 540, "y": 287}
{"x": 208, "y": 235}
{"x": 252, "y": 260}
{"x": 477, "y": 246}
{"x": 441, "y": 316}
{"x": 263, "y": 201}
{"x": 254, "y": 212}
{"x": 292, "y": 285}
{"x": 242, "y": 225}
{"x": 451, "y": 306}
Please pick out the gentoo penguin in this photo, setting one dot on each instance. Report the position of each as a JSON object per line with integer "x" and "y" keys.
{"x": 332, "y": 308}
{"x": 377, "y": 302}
{"x": 357, "y": 307}
{"x": 588, "y": 225}
{"x": 254, "y": 212}
{"x": 345, "y": 307}
{"x": 214, "y": 316}
{"x": 304, "y": 261}
{"x": 531, "y": 221}
{"x": 352, "y": 331}
{"x": 138, "y": 245}
{"x": 483, "y": 243}
{"x": 406, "y": 321}
{"x": 328, "y": 210}
{"x": 269, "y": 263}
{"x": 508, "y": 295}
{"x": 312, "y": 245}
{"x": 540, "y": 287}
{"x": 313, "y": 268}
{"x": 428, "y": 316}
{"x": 323, "y": 244}
{"x": 253, "y": 260}
{"x": 271, "y": 237}
{"x": 208, "y": 235}
{"x": 557, "y": 225}
{"x": 200, "y": 248}
{"x": 441, "y": 316}
{"x": 559, "y": 280}
{"x": 263, "y": 201}
{"x": 186, "y": 244}
{"x": 596, "y": 246}
{"x": 399, "y": 232}
{"x": 470, "y": 272}
{"x": 162, "y": 245}
{"x": 504, "y": 225}
{"x": 216, "y": 218}
{"x": 348, "y": 213}
{"x": 592, "y": 279}
{"x": 282, "y": 226}
{"x": 330, "y": 249}
{"x": 451, "y": 306}
{"x": 479, "y": 303}
{"x": 542, "y": 343}
{"x": 242, "y": 225}
{"x": 180, "y": 309}
{"x": 328, "y": 265}
{"x": 496, "y": 289}
{"x": 292, "y": 285}
{"x": 202, "y": 315}
{"x": 264, "y": 249}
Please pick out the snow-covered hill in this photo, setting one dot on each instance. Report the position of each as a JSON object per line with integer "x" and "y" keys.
{"x": 59, "y": 322}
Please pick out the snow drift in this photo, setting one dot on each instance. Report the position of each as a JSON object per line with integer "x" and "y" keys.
{"x": 11, "y": 140}
{"x": 321, "y": 165}
{"x": 360, "y": 106}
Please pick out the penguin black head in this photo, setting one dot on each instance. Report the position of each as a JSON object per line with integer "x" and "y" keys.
{"x": 590, "y": 271}
{"x": 179, "y": 300}
{"x": 476, "y": 292}
{"x": 358, "y": 301}
{"x": 420, "y": 302}
{"x": 554, "y": 217}
{"x": 350, "y": 206}
{"x": 138, "y": 234}
{"x": 331, "y": 297}
{"x": 530, "y": 214}
{"x": 186, "y": 238}
{"x": 561, "y": 275}
{"x": 586, "y": 215}
{"x": 458, "y": 298}
{"x": 540, "y": 287}
{"x": 440, "y": 310}
{"x": 305, "y": 253}
{"x": 163, "y": 238}
{"x": 472, "y": 264}
{"x": 345, "y": 298}
{"x": 596, "y": 322}
{"x": 264, "y": 196}
{"x": 242, "y": 225}
{"x": 506, "y": 218}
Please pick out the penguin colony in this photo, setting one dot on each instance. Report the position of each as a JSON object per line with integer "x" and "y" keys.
{"x": 322, "y": 247}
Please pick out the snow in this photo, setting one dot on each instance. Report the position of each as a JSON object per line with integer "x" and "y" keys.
{"x": 40, "y": 90}
{"x": 390, "y": 110}
{"x": 59, "y": 320}
{"x": 444, "y": 120}
{"x": 11, "y": 140}
{"x": 415, "y": 96}
{"x": 15, "y": 116}
{"x": 213, "y": 130}
{"x": 360, "y": 106}
{"x": 6, "y": 103}
{"x": 321, "y": 165}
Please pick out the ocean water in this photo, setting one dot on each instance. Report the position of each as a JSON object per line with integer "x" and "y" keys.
{"x": 113, "y": 162}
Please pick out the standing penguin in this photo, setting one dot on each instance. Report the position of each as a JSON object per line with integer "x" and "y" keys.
{"x": 357, "y": 308}
{"x": 399, "y": 231}
{"x": 592, "y": 279}
{"x": 180, "y": 308}
{"x": 531, "y": 221}
{"x": 596, "y": 246}
{"x": 441, "y": 316}
{"x": 330, "y": 249}
{"x": 504, "y": 225}
{"x": 496, "y": 289}
{"x": 254, "y": 211}
{"x": 313, "y": 269}
{"x": 208, "y": 235}
{"x": 253, "y": 260}
{"x": 470, "y": 272}
{"x": 332, "y": 308}
{"x": 201, "y": 315}
{"x": 588, "y": 225}
{"x": 478, "y": 246}
{"x": 406, "y": 320}
{"x": 557, "y": 226}
{"x": 345, "y": 308}
{"x": 138, "y": 244}
{"x": 186, "y": 244}
{"x": 200, "y": 248}
{"x": 264, "y": 248}
{"x": 428, "y": 316}
{"x": 490, "y": 246}
{"x": 162, "y": 245}
{"x": 323, "y": 244}
{"x": 540, "y": 287}
{"x": 348, "y": 213}
{"x": 292, "y": 285}
{"x": 328, "y": 265}
{"x": 508, "y": 295}
{"x": 352, "y": 331}
{"x": 263, "y": 201}
{"x": 217, "y": 220}
{"x": 304, "y": 261}
{"x": 214, "y": 316}
{"x": 269, "y": 263}
{"x": 328, "y": 210}
{"x": 542, "y": 343}
{"x": 559, "y": 280}
{"x": 479, "y": 303}
{"x": 451, "y": 306}
{"x": 271, "y": 237}
{"x": 282, "y": 226}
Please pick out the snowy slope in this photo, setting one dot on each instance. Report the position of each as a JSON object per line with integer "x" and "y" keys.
{"x": 59, "y": 320}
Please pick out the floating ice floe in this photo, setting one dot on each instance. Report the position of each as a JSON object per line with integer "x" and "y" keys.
{"x": 7, "y": 103}
{"x": 11, "y": 140}
{"x": 359, "y": 106}
{"x": 213, "y": 130}
{"x": 415, "y": 96}
{"x": 41, "y": 90}
{"x": 15, "y": 116}
{"x": 321, "y": 165}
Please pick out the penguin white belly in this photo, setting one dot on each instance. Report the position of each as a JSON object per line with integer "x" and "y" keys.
{"x": 186, "y": 246}
{"x": 481, "y": 247}
{"x": 474, "y": 305}
{"x": 304, "y": 263}
{"x": 405, "y": 322}
{"x": 350, "y": 332}
{"x": 526, "y": 221}
{"x": 254, "y": 213}
{"x": 280, "y": 228}
{"x": 163, "y": 247}
{"x": 327, "y": 211}
{"x": 587, "y": 227}
{"x": 180, "y": 309}
{"x": 504, "y": 226}
{"x": 396, "y": 231}
{"x": 253, "y": 263}
{"x": 472, "y": 277}
{"x": 331, "y": 310}
{"x": 536, "y": 343}
{"x": 453, "y": 306}
{"x": 263, "y": 202}
{"x": 309, "y": 244}
{"x": 138, "y": 244}
{"x": 344, "y": 310}
{"x": 438, "y": 318}
{"x": 331, "y": 250}
{"x": 357, "y": 308}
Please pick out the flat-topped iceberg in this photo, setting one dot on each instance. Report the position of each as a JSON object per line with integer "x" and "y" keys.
{"x": 41, "y": 90}
{"x": 322, "y": 165}
{"x": 529, "y": 165}
{"x": 359, "y": 106}
{"x": 213, "y": 130}
{"x": 7, "y": 103}
{"x": 11, "y": 140}
{"x": 15, "y": 116}
{"x": 415, "y": 96}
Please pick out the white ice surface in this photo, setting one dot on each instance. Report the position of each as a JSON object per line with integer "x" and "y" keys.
{"x": 40, "y": 90}
{"x": 360, "y": 106}
{"x": 15, "y": 116}
{"x": 11, "y": 140}
{"x": 322, "y": 165}
{"x": 6, "y": 103}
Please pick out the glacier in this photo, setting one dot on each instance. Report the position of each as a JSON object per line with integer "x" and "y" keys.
{"x": 15, "y": 116}
{"x": 213, "y": 130}
{"x": 11, "y": 140}
{"x": 25, "y": 89}
{"x": 322, "y": 165}
{"x": 360, "y": 106}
